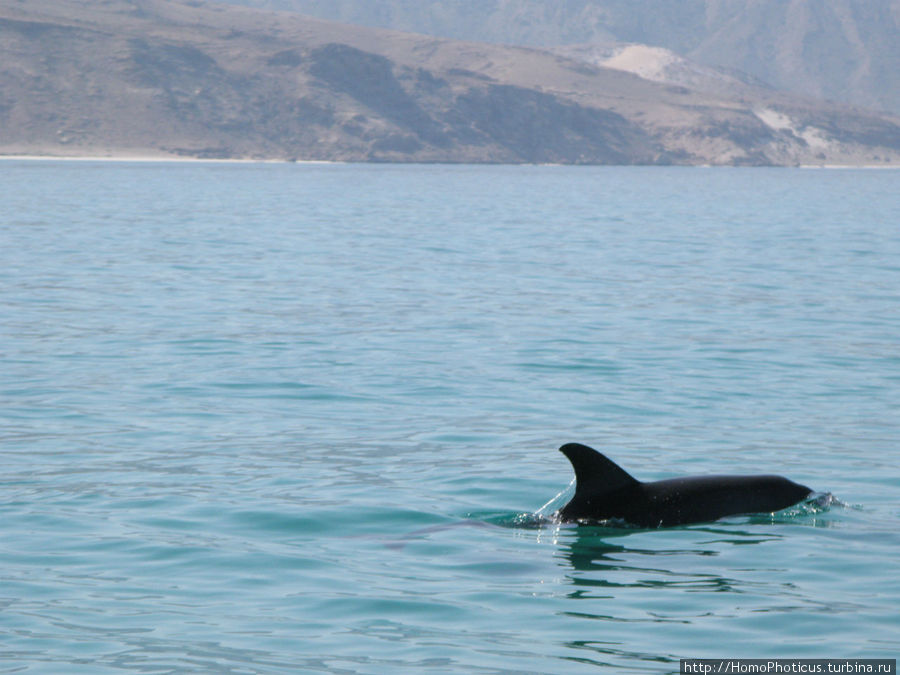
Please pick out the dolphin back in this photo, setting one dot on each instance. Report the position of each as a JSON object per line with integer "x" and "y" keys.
{"x": 603, "y": 490}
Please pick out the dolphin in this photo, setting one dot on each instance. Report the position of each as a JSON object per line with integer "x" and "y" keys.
{"x": 604, "y": 491}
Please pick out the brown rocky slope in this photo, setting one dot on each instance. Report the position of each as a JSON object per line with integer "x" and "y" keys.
{"x": 180, "y": 78}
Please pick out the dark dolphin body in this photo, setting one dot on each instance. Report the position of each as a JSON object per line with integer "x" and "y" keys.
{"x": 603, "y": 490}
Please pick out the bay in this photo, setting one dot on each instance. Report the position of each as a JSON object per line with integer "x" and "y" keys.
{"x": 264, "y": 418}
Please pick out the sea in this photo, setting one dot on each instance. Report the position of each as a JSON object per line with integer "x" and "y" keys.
{"x": 304, "y": 418}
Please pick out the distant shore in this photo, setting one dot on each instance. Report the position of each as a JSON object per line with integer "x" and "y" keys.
{"x": 207, "y": 160}
{"x": 158, "y": 158}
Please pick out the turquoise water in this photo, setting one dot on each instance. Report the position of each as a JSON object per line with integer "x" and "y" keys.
{"x": 294, "y": 418}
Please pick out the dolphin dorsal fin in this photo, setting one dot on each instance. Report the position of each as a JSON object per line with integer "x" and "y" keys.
{"x": 594, "y": 473}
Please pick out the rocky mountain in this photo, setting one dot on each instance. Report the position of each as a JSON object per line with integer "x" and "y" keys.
{"x": 843, "y": 50}
{"x": 195, "y": 79}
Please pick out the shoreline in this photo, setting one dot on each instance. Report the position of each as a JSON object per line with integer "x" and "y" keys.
{"x": 155, "y": 158}
{"x": 149, "y": 159}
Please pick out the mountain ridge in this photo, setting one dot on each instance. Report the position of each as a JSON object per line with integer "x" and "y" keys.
{"x": 174, "y": 78}
{"x": 842, "y": 50}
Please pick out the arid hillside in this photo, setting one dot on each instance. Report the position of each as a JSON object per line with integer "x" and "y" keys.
{"x": 193, "y": 79}
{"x": 843, "y": 50}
